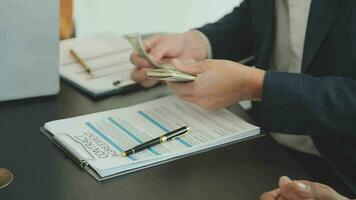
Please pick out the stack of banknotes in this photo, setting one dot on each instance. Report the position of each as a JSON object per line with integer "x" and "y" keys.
{"x": 165, "y": 72}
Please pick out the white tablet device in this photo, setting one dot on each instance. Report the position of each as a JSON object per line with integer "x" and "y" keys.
{"x": 29, "y": 48}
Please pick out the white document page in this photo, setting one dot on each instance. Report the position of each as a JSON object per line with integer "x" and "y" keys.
{"x": 99, "y": 138}
{"x": 107, "y": 55}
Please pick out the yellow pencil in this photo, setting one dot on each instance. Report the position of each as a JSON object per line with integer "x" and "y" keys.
{"x": 80, "y": 62}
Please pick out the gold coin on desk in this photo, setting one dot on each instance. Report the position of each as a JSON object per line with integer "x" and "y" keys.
{"x": 5, "y": 177}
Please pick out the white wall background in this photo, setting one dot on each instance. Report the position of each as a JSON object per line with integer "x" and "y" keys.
{"x": 126, "y": 16}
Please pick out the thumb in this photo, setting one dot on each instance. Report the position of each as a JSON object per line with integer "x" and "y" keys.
{"x": 284, "y": 180}
{"x": 158, "y": 51}
{"x": 150, "y": 42}
{"x": 298, "y": 190}
{"x": 189, "y": 67}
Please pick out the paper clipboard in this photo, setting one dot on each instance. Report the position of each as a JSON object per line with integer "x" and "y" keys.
{"x": 84, "y": 165}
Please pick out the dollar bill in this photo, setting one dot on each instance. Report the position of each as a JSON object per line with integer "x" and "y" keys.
{"x": 169, "y": 75}
{"x": 166, "y": 72}
{"x": 135, "y": 40}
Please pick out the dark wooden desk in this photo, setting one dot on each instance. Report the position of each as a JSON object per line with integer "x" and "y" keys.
{"x": 240, "y": 171}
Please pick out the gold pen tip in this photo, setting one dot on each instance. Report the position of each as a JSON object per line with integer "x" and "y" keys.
{"x": 123, "y": 154}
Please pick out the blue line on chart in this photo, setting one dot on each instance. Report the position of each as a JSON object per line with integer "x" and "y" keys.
{"x": 155, "y": 122}
{"x": 133, "y": 136}
{"x": 107, "y": 139}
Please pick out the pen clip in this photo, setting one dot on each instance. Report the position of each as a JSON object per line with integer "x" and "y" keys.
{"x": 179, "y": 136}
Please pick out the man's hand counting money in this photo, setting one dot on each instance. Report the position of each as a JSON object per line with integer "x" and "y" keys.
{"x": 219, "y": 83}
{"x": 160, "y": 48}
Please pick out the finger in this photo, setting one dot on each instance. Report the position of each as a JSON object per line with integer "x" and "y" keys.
{"x": 138, "y": 75}
{"x": 189, "y": 99}
{"x": 138, "y": 61}
{"x": 149, "y": 83}
{"x": 151, "y": 42}
{"x": 165, "y": 61}
{"x": 321, "y": 191}
{"x": 158, "y": 51}
{"x": 296, "y": 191}
{"x": 272, "y": 195}
{"x": 181, "y": 89}
{"x": 309, "y": 190}
{"x": 195, "y": 68}
{"x": 284, "y": 180}
{"x": 280, "y": 197}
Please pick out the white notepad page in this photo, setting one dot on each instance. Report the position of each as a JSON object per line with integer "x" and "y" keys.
{"x": 100, "y": 137}
{"x": 107, "y": 55}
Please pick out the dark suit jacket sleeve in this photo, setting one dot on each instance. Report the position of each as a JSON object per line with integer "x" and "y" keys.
{"x": 299, "y": 103}
{"x": 231, "y": 36}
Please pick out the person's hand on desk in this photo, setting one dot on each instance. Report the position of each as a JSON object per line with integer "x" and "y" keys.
{"x": 219, "y": 83}
{"x": 188, "y": 45}
{"x": 301, "y": 190}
